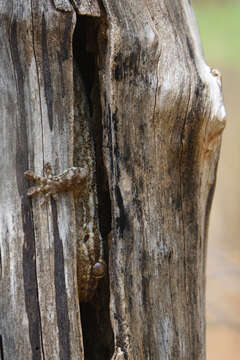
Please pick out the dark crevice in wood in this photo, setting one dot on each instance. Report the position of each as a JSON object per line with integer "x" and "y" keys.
{"x": 1, "y": 348}
{"x": 89, "y": 46}
{"x": 60, "y": 288}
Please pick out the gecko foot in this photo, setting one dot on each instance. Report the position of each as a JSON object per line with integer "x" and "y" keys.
{"x": 50, "y": 185}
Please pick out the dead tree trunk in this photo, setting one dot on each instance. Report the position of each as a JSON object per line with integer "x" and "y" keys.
{"x": 128, "y": 76}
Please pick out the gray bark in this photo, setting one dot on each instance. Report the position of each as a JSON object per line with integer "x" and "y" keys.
{"x": 156, "y": 117}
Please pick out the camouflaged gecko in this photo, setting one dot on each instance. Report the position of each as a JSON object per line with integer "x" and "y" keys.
{"x": 81, "y": 180}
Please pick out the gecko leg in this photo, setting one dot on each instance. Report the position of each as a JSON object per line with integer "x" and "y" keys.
{"x": 50, "y": 185}
{"x": 33, "y": 177}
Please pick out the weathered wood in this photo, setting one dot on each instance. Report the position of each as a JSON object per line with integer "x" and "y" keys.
{"x": 163, "y": 117}
{"x": 63, "y": 5}
{"x": 82, "y": 7}
{"x": 87, "y": 7}
{"x": 39, "y": 303}
{"x": 160, "y": 106}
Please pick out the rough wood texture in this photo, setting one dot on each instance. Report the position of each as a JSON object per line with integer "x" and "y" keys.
{"x": 39, "y": 303}
{"x": 162, "y": 124}
{"x": 82, "y": 7}
{"x": 62, "y": 5}
{"x": 161, "y": 109}
{"x": 86, "y": 7}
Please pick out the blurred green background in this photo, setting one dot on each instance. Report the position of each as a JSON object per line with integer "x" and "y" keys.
{"x": 219, "y": 25}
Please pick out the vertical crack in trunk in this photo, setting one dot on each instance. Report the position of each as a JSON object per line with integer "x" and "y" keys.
{"x": 89, "y": 43}
{"x": 1, "y": 349}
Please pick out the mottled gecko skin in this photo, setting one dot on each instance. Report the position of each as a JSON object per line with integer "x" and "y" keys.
{"x": 49, "y": 185}
{"x": 81, "y": 180}
{"x": 90, "y": 265}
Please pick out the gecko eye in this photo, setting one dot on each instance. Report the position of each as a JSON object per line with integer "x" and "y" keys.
{"x": 99, "y": 269}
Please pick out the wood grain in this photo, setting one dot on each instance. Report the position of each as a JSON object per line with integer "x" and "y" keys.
{"x": 162, "y": 115}
{"x": 39, "y": 302}
{"x": 162, "y": 107}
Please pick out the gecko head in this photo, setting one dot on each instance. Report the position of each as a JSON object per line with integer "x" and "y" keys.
{"x": 99, "y": 269}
